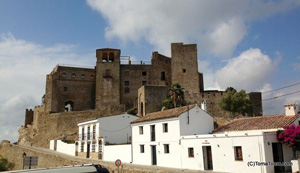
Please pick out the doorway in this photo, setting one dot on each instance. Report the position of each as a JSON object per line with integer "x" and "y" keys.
{"x": 88, "y": 150}
{"x": 207, "y": 158}
{"x": 153, "y": 154}
{"x": 277, "y": 156}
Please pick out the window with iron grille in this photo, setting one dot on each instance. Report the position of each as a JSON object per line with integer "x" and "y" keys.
{"x": 82, "y": 147}
{"x": 88, "y": 133}
{"x": 93, "y": 147}
{"x": 238, "y": 153}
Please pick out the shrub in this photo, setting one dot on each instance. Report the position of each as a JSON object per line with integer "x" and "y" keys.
{"x": 5, "y": 165}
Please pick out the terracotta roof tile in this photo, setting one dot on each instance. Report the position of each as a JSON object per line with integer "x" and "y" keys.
{"x": 170, "y": 113}
{"x": 258, "y": 123}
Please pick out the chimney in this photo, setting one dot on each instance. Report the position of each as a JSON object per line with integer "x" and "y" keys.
{"x": 203, "y": 105}
{"x": 291, "y": 109}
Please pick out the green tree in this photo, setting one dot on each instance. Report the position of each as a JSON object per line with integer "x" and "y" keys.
{"x": 236, "y": 103}
{"x": 176, "y": 97}
{"x": 5, "y": 165}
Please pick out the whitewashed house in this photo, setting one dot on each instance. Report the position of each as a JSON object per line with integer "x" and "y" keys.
{"x": 156, "y": 136}
{"x": 183, "y": 138}
{"x": 99, "y": 138}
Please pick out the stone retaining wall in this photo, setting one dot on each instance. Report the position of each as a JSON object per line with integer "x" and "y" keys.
{"x": 48, "y": 158}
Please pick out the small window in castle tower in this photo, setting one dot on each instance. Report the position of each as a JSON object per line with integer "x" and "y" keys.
{"x": 107, "y": 73}
{"x": 64, "y": 75}
{"x": 65, "y": 88}
{"x": 144, "y": 73}
{"x": 127, "y": 90}
{"x": 183, "y": 70}
{"x": 82, "y": 76}
{"x": 126, "y": 83}
{"x": 144, "y": 83}
{"x": 163, "y": 75}
{"x": 92, "y": 76}
{"x": 73, "y": 75}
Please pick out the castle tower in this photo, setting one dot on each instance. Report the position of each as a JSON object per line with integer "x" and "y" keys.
{"x": 184, "y": 69}
{"x": 107, "y": 77}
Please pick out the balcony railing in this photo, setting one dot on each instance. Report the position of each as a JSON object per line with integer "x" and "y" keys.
{"x": 87, "y": 136}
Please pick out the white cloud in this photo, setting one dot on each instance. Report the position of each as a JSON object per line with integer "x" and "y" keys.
{"x": 248, "y": 71}
{"x": 23, "y": 69}
{"x": 217, "y": 26}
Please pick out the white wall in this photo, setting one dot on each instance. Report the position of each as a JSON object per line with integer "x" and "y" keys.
{"x": 256, "y": 146}
{"x": 116, "y": 128}
{"x": 114, "y": 152}
{"x": 63, "y": 147}
{"x": 223, "y": 157}
{"x": 171, "y": 137}
{"x": 199, "y": 122}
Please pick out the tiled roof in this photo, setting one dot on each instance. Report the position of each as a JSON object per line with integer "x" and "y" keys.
{"x": 258, "y": 123}
{"x": 170, "y": 113}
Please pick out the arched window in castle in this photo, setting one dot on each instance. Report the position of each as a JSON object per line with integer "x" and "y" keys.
{"x": 64, "y": 75}
{"x": 104, "y": 57}
{"x": 92, "y": 76}
{"x": 73, "y": 75}
{"x": 82, "y": 76}
{"x": 111, "y": 57}
{"x": 69, "y": 106}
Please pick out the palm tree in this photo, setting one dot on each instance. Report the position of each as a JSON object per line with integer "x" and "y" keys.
{"x": 177, "y": 94}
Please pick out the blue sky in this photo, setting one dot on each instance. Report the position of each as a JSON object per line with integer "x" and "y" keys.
{"x": 251, "y": 45}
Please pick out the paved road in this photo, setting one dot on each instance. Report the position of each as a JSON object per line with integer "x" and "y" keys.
{"x": 157, "y": 169}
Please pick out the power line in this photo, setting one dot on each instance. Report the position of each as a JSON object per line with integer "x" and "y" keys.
{"x": 281, "y": 96}
{"x": 281, "y": 88}
{"x": 114, "y": 130}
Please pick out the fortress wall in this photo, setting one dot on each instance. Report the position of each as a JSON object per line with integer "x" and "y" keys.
{"x": 28, "y": 117}
{"x": 63, "y": 125}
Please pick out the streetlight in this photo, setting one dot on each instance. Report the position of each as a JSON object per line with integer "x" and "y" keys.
{"x": 24, "y": 155}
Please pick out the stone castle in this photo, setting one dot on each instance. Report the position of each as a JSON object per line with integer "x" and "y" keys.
{"x": 117, "y": 82}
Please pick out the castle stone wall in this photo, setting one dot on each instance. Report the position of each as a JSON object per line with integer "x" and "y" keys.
{"x": 70, "y": 85}
{"x": 184, "y": 67}
{"x": 28, "y": 117}
{"x": 150, "y": 99}
{"x": 49, "y": 126}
